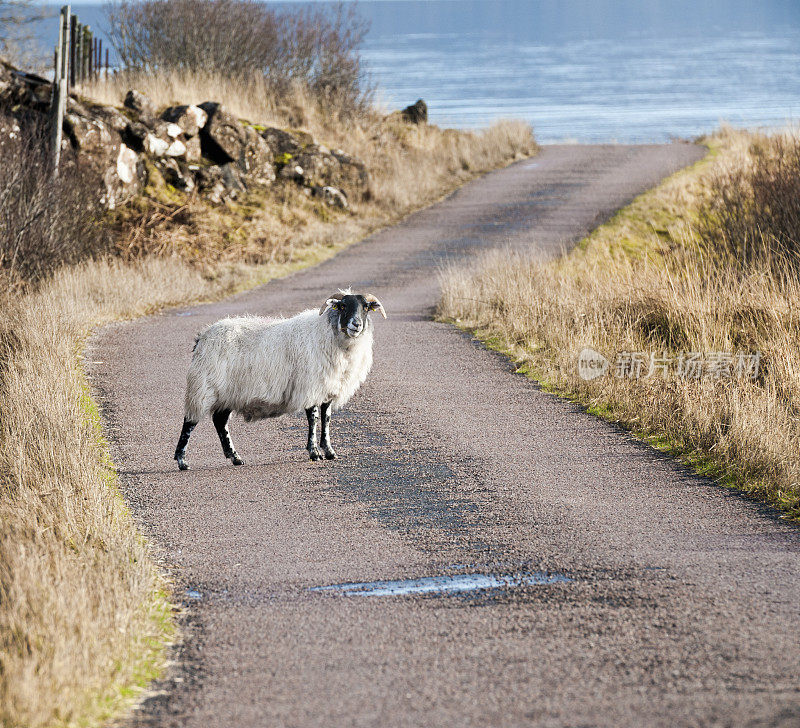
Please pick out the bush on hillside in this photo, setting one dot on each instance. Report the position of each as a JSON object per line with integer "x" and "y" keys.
{"x": 18, "y": 41}
{"x": 317, "y": 47}
{"x": 44, "y": 222}
{"x": 751, "y": 211}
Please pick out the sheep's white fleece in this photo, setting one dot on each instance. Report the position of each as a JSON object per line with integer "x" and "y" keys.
{"x": 263, "y": 367}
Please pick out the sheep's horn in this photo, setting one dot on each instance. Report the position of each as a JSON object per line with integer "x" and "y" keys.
{"x": 329, "y": 302}
{"x": 375, "y": 304}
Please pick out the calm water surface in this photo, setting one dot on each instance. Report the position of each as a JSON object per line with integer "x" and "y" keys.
{"x": 587, "y": 70}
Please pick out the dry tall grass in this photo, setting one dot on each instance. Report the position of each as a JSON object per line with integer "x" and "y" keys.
{"x": 83, "y": 610}
{"x": 44, "y": 223}
{"x": 646, "y": 283}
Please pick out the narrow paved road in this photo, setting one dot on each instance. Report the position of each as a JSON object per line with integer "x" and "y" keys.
{"x": 682, "y": 604}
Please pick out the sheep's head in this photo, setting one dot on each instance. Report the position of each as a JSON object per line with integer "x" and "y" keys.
{"x": 349, "y": 311}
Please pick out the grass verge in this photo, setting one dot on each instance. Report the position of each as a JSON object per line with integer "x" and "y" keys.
{"x": 647, "y": 282}
{"x": 84, "y": 611}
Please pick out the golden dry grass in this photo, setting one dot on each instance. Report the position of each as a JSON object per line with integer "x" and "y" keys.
{"x": 84, "y": 612}
{"x": 643, "y": 283}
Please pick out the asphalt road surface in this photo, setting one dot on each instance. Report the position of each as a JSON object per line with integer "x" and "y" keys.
{"x": 632, "y": 592}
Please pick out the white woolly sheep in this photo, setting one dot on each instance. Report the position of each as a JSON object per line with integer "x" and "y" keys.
{"x": 258, "y": 367}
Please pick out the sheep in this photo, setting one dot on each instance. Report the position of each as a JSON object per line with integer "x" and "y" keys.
{"x": 258, "y": 367}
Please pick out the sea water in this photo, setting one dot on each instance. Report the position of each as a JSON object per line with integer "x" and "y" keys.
{"x": 581, "y": 70}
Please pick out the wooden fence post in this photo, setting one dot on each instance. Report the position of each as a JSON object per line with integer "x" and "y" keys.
{"x": 78, "y": 52}
{"x": 87, "y": 52}
{"x": 73, "y": 50}
{"x": 89, "y": 55}
{"x": 60, "y": 84}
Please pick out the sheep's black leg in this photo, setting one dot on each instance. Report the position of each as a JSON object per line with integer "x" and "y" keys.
{"x": 220, "y": 419}
{"x": 180, "y": 451}
{"x": 313, "y": 417}
{"x": 325, "y": 437}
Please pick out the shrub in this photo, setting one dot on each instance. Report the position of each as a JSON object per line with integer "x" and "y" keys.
{"x": 44, "y": 222}
{"x": 751, "y": 210}
{"x": 18, "y": 42}
{"x": 317, "y": 47}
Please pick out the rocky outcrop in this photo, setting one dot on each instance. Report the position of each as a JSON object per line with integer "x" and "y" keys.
{"x": 331, "y": 196}
{"x": 123, "y": 178}
{"x": 417, "y": 113}
{"x": 315, "y": 166}
{"x": 140, "y": 105}
{"x": 26, "y": 91}
{"x": 284, "y": 143}
{"x": 226, "y": 140}
{"x": 201, "y": 149}
{"x": 223, "y": 137}
{"x": 190, "y": 119}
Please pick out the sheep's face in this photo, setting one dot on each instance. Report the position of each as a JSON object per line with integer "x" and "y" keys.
{"x": 349, "y": 313}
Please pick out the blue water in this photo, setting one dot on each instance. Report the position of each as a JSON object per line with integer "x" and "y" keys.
{"x": 586, "y": 70}
{"x": 442, "y": 584}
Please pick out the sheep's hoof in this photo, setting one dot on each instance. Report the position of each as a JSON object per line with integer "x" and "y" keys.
{"x": 236, "y": 460}
{"x": 182, "y": 464}
{"x": 315, "y": 454}
{"x": 330, "y": 453}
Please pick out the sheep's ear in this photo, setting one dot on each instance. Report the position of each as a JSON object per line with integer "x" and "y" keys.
{"x": 332, "y": 302}
{"x": 373, "y": 304}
